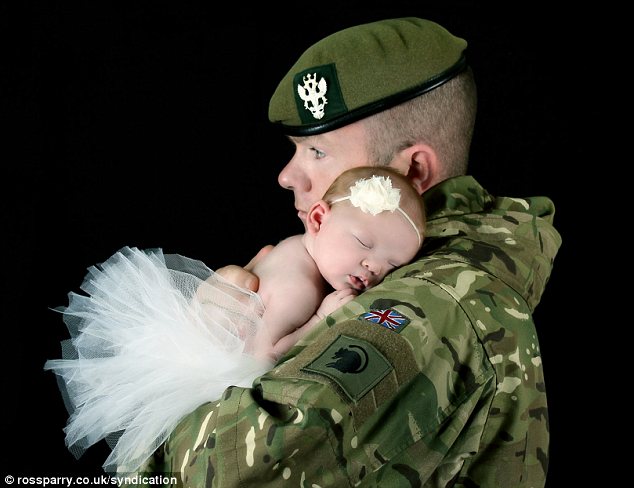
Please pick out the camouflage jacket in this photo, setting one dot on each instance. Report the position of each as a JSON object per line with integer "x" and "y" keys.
{"x": 433, "y": 378}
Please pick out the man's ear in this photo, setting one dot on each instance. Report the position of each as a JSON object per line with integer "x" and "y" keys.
{"x": 420, "y": 164}
{"x": 316, "y": 216}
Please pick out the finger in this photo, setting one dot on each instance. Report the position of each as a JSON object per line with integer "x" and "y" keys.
{"x": 239, "y": 277}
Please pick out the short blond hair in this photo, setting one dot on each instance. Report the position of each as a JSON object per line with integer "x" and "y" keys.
{"x": 411, "y": 202}
{"x": 443, "y": 118}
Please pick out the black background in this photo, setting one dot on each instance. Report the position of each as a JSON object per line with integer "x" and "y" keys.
{"x": 145, "y": 124}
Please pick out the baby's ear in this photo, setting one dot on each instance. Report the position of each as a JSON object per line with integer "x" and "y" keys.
{"x": 316, "y": 216}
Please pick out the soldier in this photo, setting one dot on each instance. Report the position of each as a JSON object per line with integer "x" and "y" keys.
{"x": 434, "y": 377}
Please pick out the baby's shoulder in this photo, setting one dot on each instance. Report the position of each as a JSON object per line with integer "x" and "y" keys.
{"x": 289, "y": 249}
{"x": 296, "y": 241}
{"x": 289, "y": 254}
{"x": 288, "y": 266}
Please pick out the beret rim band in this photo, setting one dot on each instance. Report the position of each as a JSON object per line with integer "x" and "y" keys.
{"x": 377, "y": 106}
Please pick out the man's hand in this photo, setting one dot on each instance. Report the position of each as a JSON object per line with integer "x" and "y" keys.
{"x": 244, "y": 277}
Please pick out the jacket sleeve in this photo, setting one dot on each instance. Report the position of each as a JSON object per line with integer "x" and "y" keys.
{"x": 391, "y": 388}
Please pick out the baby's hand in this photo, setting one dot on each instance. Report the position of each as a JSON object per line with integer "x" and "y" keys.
{"x": 334, "y": 300}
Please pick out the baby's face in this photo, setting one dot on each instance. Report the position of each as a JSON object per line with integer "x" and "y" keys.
{"x": 354, "y": 249}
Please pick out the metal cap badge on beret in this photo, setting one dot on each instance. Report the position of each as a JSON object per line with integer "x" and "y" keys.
{"x": 363, "y": 70}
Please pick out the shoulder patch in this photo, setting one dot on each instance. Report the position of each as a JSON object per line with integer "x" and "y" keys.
{"x": 354, "y": 364}
{"x": 389, "y": 318}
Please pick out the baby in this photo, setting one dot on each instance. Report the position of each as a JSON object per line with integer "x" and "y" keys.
{"x": 159, "y": 335}
{"x": 368, "y": 223}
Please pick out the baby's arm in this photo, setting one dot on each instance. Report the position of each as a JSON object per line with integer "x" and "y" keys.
{"x": 330, "y": 303}
{"x": 291, "y": 289}
{"x": 291, "y": 306}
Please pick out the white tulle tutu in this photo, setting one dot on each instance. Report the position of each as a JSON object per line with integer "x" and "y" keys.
{"x": 156, "y": 336}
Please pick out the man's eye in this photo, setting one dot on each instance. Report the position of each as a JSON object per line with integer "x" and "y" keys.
{"x": 318, "y": 154}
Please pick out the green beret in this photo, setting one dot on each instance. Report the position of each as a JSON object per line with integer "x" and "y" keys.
{"x": 363, "y": 70}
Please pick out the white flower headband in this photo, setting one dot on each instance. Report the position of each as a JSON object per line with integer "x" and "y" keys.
{"x": 375, "y": 195}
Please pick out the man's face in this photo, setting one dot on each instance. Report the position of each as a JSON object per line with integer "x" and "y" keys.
{"x": 318, "y": 160}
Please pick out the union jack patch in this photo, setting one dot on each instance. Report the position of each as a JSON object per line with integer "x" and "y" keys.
{"x": 390, "y": 318}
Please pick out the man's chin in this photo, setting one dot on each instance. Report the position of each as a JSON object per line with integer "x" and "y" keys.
{"x": 302, "y": 216}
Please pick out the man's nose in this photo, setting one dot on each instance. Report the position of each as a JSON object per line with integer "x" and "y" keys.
{"x": 292, "y": 178}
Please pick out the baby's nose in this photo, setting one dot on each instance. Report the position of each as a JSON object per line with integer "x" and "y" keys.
{"x": 372, "y": 266}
